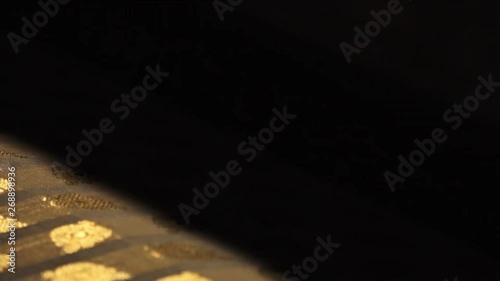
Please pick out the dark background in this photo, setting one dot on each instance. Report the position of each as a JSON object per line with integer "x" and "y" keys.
{"x": 322, "y": 175}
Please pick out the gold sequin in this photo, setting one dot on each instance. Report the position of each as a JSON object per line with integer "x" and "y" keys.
{"x": 80, "y": 201}
{"x": 4, "y": 185}
{"x": 85, "y": 271}
{"x": 4, "y": 259}
{"x": 12, "y": 154}
{"x": 82, "y": 235}
{"x": 185, "y": 276}
{"x": 5, "y": 224}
